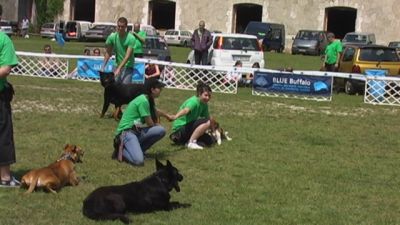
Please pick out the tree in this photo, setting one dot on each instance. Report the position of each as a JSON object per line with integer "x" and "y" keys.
{"x": 47, "y": 10}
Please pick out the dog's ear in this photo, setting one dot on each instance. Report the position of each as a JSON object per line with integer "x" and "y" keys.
{"x": 66, "y": 146}
{"x": 169, "y": 164}
{"x": 159, "y": 165}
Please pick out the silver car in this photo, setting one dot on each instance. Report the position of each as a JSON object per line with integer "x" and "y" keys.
{"x": 48, "y": 30}
{"x": 178, "y": 37}
{"x": 100, "y": 32}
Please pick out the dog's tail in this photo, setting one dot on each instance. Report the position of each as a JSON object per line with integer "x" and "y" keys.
{"x": 32, "y": 185}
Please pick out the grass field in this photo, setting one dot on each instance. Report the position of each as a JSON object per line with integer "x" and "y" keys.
{"x": 290, "y": 161}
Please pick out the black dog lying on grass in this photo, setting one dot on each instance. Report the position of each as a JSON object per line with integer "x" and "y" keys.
{"x": 117, "y": 93}
{"x": 149, "y": 194}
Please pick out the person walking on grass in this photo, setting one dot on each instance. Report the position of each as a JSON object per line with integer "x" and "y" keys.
{"x": 123, "y": 43}
{"x": 8, "y": 59}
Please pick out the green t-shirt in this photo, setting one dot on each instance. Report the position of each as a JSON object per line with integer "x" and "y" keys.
{"x": 135, "y": 113}
{"x": 331, "y": 52}
{"x": 120, "y": 46}
{"x": 7, "y": 55}
{"x": 198, "y": 110}
{"x": 139, "y": 44}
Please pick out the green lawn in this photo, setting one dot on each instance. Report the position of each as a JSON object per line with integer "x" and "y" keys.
{"x": 290, "y": 161}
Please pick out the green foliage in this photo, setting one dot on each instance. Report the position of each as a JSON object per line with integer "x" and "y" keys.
{"x": 47, "y": 10}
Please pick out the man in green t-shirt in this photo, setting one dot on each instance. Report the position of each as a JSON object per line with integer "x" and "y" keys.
{"x": 193, "y": 120}
{"x": 332, "y": 53}
{"x": 123, "y": 43}
{"x": 140, "y": 40}
{"x": 8, "y": 59}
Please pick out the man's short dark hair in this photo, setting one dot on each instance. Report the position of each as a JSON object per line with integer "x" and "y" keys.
{"x": 122, "y": 20}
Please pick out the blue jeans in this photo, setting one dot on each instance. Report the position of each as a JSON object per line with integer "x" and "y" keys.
{"x": 125, "y": 76}
{"x": 135, "y": 144}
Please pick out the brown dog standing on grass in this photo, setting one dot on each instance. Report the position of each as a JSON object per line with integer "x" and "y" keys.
{"x": 58, "y": 174}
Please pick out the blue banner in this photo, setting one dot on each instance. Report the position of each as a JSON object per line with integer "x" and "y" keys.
{"x": 292, "y": 83}
{"x": 89, "y": 68}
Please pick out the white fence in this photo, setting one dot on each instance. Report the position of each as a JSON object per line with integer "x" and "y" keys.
{"x": 378, "y": 90}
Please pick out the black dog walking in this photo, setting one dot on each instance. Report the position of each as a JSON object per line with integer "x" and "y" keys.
{"x": 149, "y": 194}
{"x": 117, "y": 93}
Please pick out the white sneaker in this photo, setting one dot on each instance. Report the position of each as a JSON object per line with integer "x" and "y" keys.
{"x": 194, "y": 145}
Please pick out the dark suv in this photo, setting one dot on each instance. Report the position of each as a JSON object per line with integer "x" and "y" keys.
{"x": 271, "y": 35}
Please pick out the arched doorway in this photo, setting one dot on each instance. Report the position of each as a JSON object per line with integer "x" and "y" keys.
{"x": 244, "y": 13}
{"x": 340, "y": 20}
{"x": 162, "y": 14}
{"x": 83, "y": 10}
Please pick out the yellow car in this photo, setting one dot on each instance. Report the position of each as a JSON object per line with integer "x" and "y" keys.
{"x": 358, "y": 59}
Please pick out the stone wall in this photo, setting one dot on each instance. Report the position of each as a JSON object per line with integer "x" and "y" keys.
{"x": 10, "y": 9}
{"x": 379, "y": 17}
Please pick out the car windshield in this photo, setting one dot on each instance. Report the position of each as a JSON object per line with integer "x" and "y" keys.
{"x": 307, "y": 35}
{"x": 378, "y": 55}
{"x": 236, "y": 43}
{"x": 355, "y": 38}
{"x": 48, "y": 25}
{"x": 394, "y": 44}
{"x": 100, "y": 27}
{"x": 258, "y": 29}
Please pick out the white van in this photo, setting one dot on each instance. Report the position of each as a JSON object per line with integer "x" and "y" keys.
{"x": 76, "y": 29}
{"x": 226, "y": 49}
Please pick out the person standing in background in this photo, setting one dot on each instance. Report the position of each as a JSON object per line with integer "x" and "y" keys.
{"x": 8, "y": 59}
{"x": 332, "y": 53}
{"x": 201, "y": 42}
{"x": 25, "y": 27}
{"x": 140, "y": 36}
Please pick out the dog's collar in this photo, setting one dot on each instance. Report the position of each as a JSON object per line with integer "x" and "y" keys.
{"x": 66, "y": 156}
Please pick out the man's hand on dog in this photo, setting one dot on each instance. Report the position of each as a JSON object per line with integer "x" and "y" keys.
{"x": 117, "y": 72}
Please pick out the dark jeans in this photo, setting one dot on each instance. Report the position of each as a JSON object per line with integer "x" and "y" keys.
{"x": 182, "y": 135}
{"x": 200, "y": 57}
{"x": 7, "y": 149}
{"x": 330, "y": 67}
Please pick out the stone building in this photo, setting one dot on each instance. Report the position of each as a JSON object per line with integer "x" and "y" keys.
{"x": 338, "y": 16}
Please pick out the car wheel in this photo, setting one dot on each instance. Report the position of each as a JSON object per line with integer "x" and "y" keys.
{"x": 349, "y": 87}
{"x": 280, "y": 50}
{"x": 185, "y": 44}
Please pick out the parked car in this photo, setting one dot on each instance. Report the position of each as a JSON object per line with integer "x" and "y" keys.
{"x": 178, "y": 37}
{"x": 356, "y": 38}
{"x": 271, "y": 35}
{"x": 48, "y": 30}
{"x": 76, "y": 29}
{"x": 155, "y": 47}
{"x": 226, "y": 49}
{"x": 100, "y": 31}
{"x": 358, "y": 59}
{"x": 395, "y": 44}
{"x": 6, "y": 27}
{"x": 311, "y": 42}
